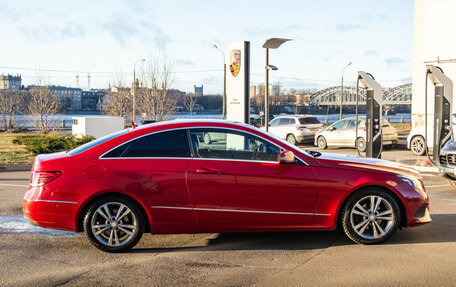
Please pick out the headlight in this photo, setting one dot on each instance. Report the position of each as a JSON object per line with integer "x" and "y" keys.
{"x": 411, "y": 180}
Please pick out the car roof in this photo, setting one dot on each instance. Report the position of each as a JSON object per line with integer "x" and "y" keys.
{"x": 296, "y": 116}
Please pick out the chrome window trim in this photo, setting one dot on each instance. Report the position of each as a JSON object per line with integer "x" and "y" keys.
{"x": 191, "y": 147}
{"x": 205, "y": 127}
{"x": 240, "y": 210}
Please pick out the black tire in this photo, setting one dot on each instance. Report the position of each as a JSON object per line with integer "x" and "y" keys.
{"x": 417, "y": 145}
{"x": 207, "y": 138}
{"x": 361, "y": 144}
{"x": 450, "y": 176}
{"x": 321, "y": 142}
{"x": 291, "y": 139}
{"x": 368, "y": 233}
{"x": 114, "y": 238}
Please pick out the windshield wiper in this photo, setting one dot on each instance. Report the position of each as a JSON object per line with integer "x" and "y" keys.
{"x": 313, "y": 153}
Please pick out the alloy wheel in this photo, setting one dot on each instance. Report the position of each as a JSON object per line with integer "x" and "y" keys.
{"x": 114, "y": 224}
{"x": 372, "y": 217}
{"x": 417, "y": 146}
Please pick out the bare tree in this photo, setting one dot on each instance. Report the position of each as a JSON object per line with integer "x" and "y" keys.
{"x": 44, "y": 106}
{"x": 118, "y": 100}
{"x": 153, "y": 100}
{"x": 190, "y": 101}
{"x": 11, "y": 104}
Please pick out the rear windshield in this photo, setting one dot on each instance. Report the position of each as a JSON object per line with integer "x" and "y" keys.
{"x": 309, "y": 120}
{"x": 96, "y": 142}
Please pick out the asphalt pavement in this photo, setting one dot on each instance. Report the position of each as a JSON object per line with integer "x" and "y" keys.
{"x": 419, "y": 256}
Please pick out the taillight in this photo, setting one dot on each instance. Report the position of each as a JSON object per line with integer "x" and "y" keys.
{"x": 301, "y": 128}
{"x": 40, "y": 178}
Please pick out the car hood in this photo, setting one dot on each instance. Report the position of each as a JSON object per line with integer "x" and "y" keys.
{"x": 365, "y": 164}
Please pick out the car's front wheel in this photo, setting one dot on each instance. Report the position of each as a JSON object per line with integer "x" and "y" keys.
{"x": 113, "y": 224}
{"x": 417, "y": 145}
{"x": 371, "y": 216}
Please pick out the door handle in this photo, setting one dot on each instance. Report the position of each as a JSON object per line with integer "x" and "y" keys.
{"x": 204, "y": 170}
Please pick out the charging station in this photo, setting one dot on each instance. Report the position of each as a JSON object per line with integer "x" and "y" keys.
{"x": 374, "y": 102}
{"x": 443, "y": 101}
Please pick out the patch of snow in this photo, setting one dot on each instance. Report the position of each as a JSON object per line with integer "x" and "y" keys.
{"x": 18, "y": 224}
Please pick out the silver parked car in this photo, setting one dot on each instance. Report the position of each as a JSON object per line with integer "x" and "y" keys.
{"x": 343, "y": 134}
{"x": 295, "y": 128}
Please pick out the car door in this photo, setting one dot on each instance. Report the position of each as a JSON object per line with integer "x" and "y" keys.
{"x": 335, "y": 134}
{"x": 153, "y": 167}
{"x": 350, "y": 132}
{"x": 239, "y": 182}
{"x": 274, "y": 126}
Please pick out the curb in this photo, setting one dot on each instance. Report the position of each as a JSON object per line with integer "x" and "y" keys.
{"x": 6, "y": 168}
{"x": 431, "y": 169}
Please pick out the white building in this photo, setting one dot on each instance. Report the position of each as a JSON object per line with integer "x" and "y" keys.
{"x": 434, "y": 43}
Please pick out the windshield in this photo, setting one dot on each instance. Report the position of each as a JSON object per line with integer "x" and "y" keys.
{"x": 96, "y": 142}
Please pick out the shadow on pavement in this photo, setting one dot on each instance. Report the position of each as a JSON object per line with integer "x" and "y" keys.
{"x": 442, "y": 229}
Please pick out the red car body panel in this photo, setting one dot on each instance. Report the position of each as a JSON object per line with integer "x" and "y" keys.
{"x": 190, "y": 195}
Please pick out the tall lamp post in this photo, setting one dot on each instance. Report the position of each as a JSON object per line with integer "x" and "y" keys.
{"x": 272, "y": 43}
{"x": 342, "y": 89}
{"x": 134, "y": 88}
{"x": 224, "y": 81}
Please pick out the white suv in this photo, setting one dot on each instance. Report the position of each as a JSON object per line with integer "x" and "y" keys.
{"x": 295, "y": 128}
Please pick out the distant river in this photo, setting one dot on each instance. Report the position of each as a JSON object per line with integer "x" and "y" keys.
{"x": 67, "y": 119}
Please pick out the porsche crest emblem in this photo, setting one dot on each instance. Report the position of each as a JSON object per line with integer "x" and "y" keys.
{"x": 235, "y": 62}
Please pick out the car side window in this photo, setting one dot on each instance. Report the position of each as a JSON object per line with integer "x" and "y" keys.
{"x": 274, "y": 122}
{"x": 162, "y": 144}
{"x": 339, "y": 125}
{"x": 352, "y": 124}
{"x": 228, "y": 144}
{"x": 285, "y": 121}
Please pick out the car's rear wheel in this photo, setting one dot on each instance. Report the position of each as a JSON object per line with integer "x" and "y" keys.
{"x": 361, "y": 144}
{"x": 371, "y": 216}
{"x": 417, "y": 145}
{"x": 113, "y": 224}
{"x": 321, "y": 143}
{"x": 291, "y": 139}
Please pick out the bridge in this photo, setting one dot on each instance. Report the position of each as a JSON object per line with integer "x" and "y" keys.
{"x": 400, "y": 95}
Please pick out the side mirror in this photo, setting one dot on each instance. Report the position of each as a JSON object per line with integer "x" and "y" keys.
{"x": 286, "y": 156}
{"x": 331, "y": 129}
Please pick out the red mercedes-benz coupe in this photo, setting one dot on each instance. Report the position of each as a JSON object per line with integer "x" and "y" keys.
{"x": 168, "y": 178}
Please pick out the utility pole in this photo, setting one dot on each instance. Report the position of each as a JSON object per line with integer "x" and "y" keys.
{"x": 134, "y": 89}
{"x": 342, "y": 90}
{"x": 224, "y": 82}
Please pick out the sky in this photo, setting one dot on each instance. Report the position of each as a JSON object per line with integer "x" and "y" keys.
{"x": 106, "y": 38}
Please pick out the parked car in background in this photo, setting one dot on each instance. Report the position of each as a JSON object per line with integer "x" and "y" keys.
{"x": 343, "y": 134}
{"x": 295, "y": 128}
{"x": 415, "y": 139}
{"x": 447, "y": 160}
{"x": 160, "y": 178}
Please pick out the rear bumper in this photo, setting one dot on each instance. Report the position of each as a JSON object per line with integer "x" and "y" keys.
{"x": 305, "y": 138}
{"x": 54, "y": 214}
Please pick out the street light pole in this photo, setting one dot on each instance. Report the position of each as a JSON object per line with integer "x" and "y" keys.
{"x": 272, "y": 43}
{"x": 266, "y": 93}
{"x": 224, "y": 82}
{"x": 342, "y": 90}
{"x": 134, "y": 89}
